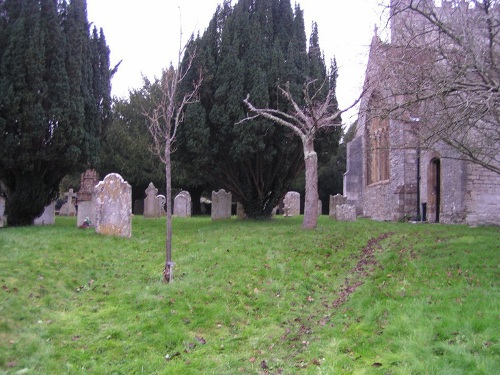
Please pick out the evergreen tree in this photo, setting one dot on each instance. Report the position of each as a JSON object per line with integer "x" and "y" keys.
{"x": 319, "y": 113}
{"x": 50, "y": 122}
{"x": 251, "y": 48}
{"x": 330, "y": 158}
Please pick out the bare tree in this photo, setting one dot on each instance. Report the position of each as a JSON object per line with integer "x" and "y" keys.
{"x": 305, "y": 122}
{"x": 441, "y": 68}
{"x": 164, "y": 121}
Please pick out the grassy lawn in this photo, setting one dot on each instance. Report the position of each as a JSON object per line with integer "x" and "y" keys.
{"x": 251, "y": 298}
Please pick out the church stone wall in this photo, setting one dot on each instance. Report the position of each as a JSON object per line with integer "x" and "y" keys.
{"x": 396, "y": 198}
{"x": 482, "y": 196}
{"x": 453, "y": 188}
{"x": 468, "y": 193}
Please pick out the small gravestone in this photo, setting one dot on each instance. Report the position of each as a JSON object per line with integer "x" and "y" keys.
{"x": 160, "y": 205}
{"x": 346, "y": 212}
{"x": 182, "y": 204}
{"x": 291, "y": 204}
{"x": 240, "y": 211}
{"x": 3, "y": 220}
{"x": 320, "y": 207}
{"x": 336, "y": 200}
{"x": 151, "y": 203}
{"x": 221, "y": 205}
{"x": 48, "y": 217}
{"x": 68, "y": 208}
{"x": 86, "y": 198}
{"x": 113, "y": 206}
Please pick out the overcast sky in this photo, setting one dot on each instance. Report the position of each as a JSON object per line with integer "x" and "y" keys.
{"x": 145, "y": 35}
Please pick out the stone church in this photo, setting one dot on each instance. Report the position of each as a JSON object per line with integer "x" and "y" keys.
{"x": 390, "y": 174}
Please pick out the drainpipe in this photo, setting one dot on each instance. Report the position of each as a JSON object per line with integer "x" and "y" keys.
{"x": 416, "y": 120}
{"x": 418, "y": 182}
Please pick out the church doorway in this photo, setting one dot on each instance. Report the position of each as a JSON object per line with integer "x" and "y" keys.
{"x": 434, "y": 190}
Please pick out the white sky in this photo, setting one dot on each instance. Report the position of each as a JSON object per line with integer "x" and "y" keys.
{"x": 145, "y": 35}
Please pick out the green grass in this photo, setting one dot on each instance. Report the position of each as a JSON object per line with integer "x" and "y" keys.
{"x": 251, "y": 298}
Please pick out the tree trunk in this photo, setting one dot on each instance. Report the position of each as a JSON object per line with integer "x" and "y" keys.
{"x": 167, "y": 272}
{"x": 312, "y": 196}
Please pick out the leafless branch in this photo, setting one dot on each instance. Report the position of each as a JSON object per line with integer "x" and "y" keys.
{"x": 443, "y": 68}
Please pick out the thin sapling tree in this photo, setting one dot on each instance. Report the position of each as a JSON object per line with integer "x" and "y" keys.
{"x": 164, "y": 120}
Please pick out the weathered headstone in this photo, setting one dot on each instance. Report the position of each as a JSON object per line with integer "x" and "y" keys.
{"x": 221, "y": 205}
{"x": 291, "y": 204}
{"x": 182, "y": 204}
{"x": 206, "y": 205}
{"x": 68, "y": 208}
{"x": 336, "y": 200}
{"x": 113, "y": 206}
{"x": 240, "y": 211}
{"x": 86, "y": 198}
{"x": 3, "y": 220}
{"x": 48, "y": 217}
{"x": 346, "y": 212}
{"x": 151, "y": 203}
{"x": 320, "y": 207}
{"x": 160, "y": 204}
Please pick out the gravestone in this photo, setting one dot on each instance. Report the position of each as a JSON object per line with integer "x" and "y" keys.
{"x": 68, "y": 208}
{"x": 151, "y": 203}
{"x": 86, "y": 198}
{"x": 221, "y": 205}
{"x": 206, "y": 205}
{"x": 3, "y": 220}
{"x": 346, "y": 212}
{"x": 240, "y": 211}
{"x": 291, "y": 204}
{"x": 336, "y": 200}
{"x": 160, "y": 205}
{"x": 182, "y": 204}
{"x": 48, "y": 217}
{"x": 320, "y": 207}
{"x": 113, "y": 205}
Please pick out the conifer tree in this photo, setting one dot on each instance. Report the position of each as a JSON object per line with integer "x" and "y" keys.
{"x": 51, "y": 108}
{"x": 319, "y": 113}
{"x": 252, "y": 47}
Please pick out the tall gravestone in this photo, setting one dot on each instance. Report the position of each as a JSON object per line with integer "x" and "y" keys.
{"x": 68, "y": 208}
{"x": 221, "y": 205}
{"x": 336, "y": 200}
{"x": 113, "y": 206}
{"x": 2, "y": 212}
{"x": 151, "y": 203}
{"x": 291, "y": 203}
{"x": 86, "y": 198}
{"x": 48, "y": 217}
{"x": 182, "y": 204}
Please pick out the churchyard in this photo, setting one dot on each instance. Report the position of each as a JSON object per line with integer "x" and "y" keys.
{"x": 250, "y": 297}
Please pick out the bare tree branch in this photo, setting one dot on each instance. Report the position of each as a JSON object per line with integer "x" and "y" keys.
{"x": 305, "y": 122}
{"x": 164, "y": 121}
{"x": 442, "y": 67}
